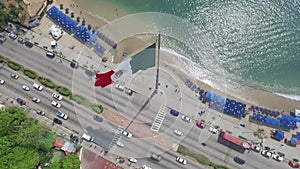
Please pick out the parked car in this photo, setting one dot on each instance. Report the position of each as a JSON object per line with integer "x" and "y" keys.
{"x": 155, "y": 157}
{"x": 178, "y": 132}
{"x": 57, "y": 96}
{"x": 266, "y": 153}
{"x": 126, "y": 134}
{"x": 12, "y": 36}
{"x": 294, "y": 164}
{"x": 119, "y": 144}
{"x": 21, "y": 40}
{"x": 26, "y": 88}
{"x": 55, "y": 104}
{"x": 14, "y": 76}
{"x": 2, "y": 81}
{"x": 87, "y": 137}
{"x": 132, "y": 160}
{"x": 256, "y": 148}
{"x": 57, "y": 121}
{"x": 62, "y": 115}
{"x": 186, "y": 118}
{"x": 239, "y": 160}
{"x": 174, "y": 112}
{"x": 74, "y": 138}
{"x": 28, "y": 44}
{"x": 181, "y": 160}
{"x": 38, "y": 87}
{"x": 97, "y": 118}
{"x": 213, "y": 130}
{"x": 2, "y": 39}
{"x": 40, "y": 112}
{"x": 36, "y": 100}
{"x": 277, "y": 157}
{"x": 200, "y": 124}
{"x": 120, "y": 87}
{"x": 21, "y": 101}
{"x": 146, "y": 167}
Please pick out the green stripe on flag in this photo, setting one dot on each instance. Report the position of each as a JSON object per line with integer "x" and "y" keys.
{"x": 144, "y": 59}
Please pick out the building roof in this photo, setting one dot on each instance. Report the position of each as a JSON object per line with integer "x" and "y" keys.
{"x": 66, "y": 145}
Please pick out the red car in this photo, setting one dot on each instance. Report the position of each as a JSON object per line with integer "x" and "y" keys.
{"x": 294, "y": 164}
{"x": 200, "y": 124}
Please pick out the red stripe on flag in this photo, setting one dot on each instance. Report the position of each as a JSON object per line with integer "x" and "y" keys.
{"x": 104, "y": 79}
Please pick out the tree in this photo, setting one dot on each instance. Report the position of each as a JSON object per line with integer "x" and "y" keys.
{"x": 68, "y": 162}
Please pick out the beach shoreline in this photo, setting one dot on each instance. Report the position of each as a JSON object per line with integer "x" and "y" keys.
{"x": 251, "y": 96}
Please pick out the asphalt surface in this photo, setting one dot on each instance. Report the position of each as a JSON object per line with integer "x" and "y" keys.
{"x": 81, "y": 119}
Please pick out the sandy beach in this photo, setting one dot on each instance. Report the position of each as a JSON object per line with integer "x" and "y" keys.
{"x": 131, "y": 45}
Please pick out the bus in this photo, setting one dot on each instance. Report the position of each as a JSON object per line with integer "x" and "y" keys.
{"x": 233, "y": 142}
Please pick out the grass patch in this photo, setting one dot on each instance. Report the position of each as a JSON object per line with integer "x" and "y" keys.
{"x": 243, "y": 138}
{"x": 295, "y": 160}
{"x": 63, "y": 91}
{"x": 280, "y": 154}
{"x": 46, "y": 82}
{"x": 201, "y": 159}
{"x": 48, "y": 142}
{"x": 31, "y": 74}
{"x": 98, "y": 108}
{"x": 57, "y": 155}
{"x": 267, "y": 148}
{"x": 14, "y": 66}
{"x": 217, "y": 166}
{"x": 80, "y": 99}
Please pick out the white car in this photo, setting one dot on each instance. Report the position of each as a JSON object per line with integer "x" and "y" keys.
{"x": 57, "y": 97}
{"x": 62, "y": 115}
{"x": 36, "y": 100}
{"x": 12, "y": 36}
{"x": 26, "y": 88}
{"x": 14, "y": 76}
{"x": 256, "y": 148}
{"x": 119, "y": 144}
{"x": 277, "y": 157}
{"x": 181, "y": 160}
{"x": 178, "y": 132}
{"x": 132, "y": 160}
{"x": 120, "y": 87}
{"x": 213, "y": 130}
{"x": 146, "y": 167}
{"x": 2, "y": 81}
{"x": 186, "y": 118}
{"x": 126, "y": 134}
{"x": 87, "y": 137}
{"x": 266, "y": 153}
{"x": 38, "y": 87}
{"x": 55, "y": 104}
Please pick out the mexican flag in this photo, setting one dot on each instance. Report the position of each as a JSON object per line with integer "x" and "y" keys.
{"x": 141, "y": 61}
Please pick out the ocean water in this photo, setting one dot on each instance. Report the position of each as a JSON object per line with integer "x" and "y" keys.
{"x": 250, "y": 42}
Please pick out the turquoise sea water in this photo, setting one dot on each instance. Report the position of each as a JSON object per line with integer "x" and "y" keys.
{"x": 255, "y": 42}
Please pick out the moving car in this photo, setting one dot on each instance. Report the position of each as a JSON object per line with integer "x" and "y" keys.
{"x": 213, "y": 130}
{"x": 36, "y": 100}
{"x": 62, "y": 115}
{"x": 277, "y": 157}
{"x": 126, "y": 134}
{"x": 57, "y": 96}
{"x": 181, "y": 160}
{"x": 132, "y": 160}
{"x": 120, "y": 87}
{"x": 38, "y": 87}
{"x": 239, "y": 160}
{"x": 256, "y": 148}
{"x": 178, "y": 132}
{"x": 40, "y": 112}
{"x": 2, "y": 81}
{"x": 97, "y": 118}
{"x": 145, "y": 167}
{"x": 12, "y": 36}
{"x": 26, "y": 88}
{"x": 14, "y": 76}
{"x": 174, "y": 112}
{"x": 129, "y": 92}
{"x": 87, "y": 137}
{"x": 294, "y": 164}
{"x": 55, "y": 104}
{"x": 119, "y": 144}
{"x": 186, "y": 118}
{"x": 21, "y": 101}
{"x": 155, "y": 157}
{"x": 57, "y": 121}
{"x": 266, "y": 153}
{"x": 200, "y": 124}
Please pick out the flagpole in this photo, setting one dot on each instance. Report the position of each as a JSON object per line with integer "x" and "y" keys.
{"x": 157, "y": 67}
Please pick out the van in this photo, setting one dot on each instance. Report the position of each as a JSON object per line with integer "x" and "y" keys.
{"x": 87, "y": 137}
{"x": 50, "y": 55}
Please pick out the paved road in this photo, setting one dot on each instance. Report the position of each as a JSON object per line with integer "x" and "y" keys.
{"x": 81, "y": 83}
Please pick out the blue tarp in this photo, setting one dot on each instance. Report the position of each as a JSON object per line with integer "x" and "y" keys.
{"x": 99, "y": 49}
{"x": 273, "y": 122}
{"x": 83, "y": 34}
{"x": 298, "y": 135}
{"x": 294, "y": 141}
{"x": 279, "y": 135}
{"x": 217, "y": 102}
{"x": 235, "y": 108}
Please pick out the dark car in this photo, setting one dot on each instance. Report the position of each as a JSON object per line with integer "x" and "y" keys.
{"x": 57, "y": 121}
{"x": 155, "y": 157}
{"x": 74, "y": 138}
{"x": 28, "y": 44}
{"x": 40, "y": 112}
{"x": 239, "y": 160}
{"x": 98, "y": 118}
{"x": 174, "y": 112}
{"x": 21, "y": 101}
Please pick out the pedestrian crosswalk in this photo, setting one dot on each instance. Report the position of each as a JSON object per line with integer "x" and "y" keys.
{"x": 159, "y": 118}
{"x": 116, "y": 137}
